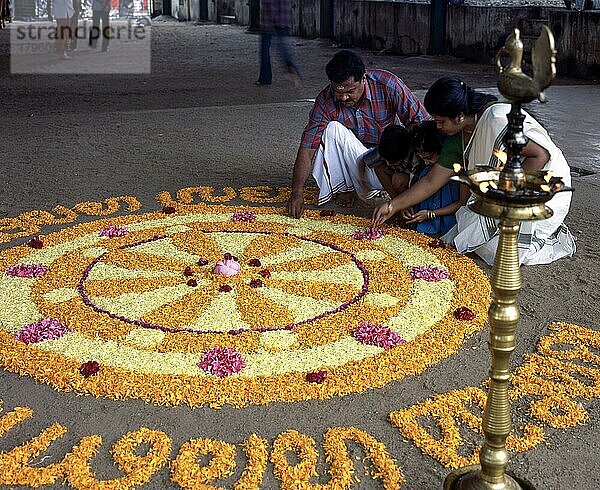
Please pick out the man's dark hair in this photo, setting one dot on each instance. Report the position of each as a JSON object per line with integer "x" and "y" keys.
{"x": 343, "y": 65}
{"x": 395, "y": 143}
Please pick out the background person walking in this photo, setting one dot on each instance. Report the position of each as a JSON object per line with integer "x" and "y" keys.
{"x": 73, "y": 24}
{"x": 6, "y": 13}
{"x": 100, "y": 14}
{"x": 275, "y": 20}
{"x": 62, "y": 11}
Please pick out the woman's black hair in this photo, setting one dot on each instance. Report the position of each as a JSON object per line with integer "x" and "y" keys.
{"x": 394, "y": 144}
{"x": 343, "y": 65}
{"x": 449, "y": 97}
{"x": 426, "y": 137}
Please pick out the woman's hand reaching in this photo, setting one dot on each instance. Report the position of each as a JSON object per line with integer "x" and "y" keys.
{"x": 382, "y": 214}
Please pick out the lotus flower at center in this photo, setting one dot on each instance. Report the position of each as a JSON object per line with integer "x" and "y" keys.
{"x": 228, "y": 266}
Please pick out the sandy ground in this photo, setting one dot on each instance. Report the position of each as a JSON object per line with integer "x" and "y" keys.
{"x": 197, "y": 119}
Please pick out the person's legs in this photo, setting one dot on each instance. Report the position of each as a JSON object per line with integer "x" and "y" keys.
{"x": 62, "y": 33}
{"x": 106, "y": 32}
{"x": 285, "y": 52}
{"x": 337, "y": 170}
{"x": 265, "y": 77}
{"x": 72, "y": 41}
{"x": 95, "y": 30}
{"x": 283, "y": 35}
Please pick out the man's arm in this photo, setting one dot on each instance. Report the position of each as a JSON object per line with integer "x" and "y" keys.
{"x": 409, "y": 108}
{"x": 302, "y": 170}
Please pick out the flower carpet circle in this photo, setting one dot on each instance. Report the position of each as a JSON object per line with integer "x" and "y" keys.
{"x": 223, "y": 305}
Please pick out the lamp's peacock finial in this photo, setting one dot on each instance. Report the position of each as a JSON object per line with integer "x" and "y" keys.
{"x": 516, "y": 85}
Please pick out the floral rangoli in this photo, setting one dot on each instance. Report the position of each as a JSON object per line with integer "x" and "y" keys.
{"x": 223, "y": 305}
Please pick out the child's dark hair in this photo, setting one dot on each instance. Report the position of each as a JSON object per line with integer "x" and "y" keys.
{"x": 394, "y": 144}
{"x": 426, "y": 137}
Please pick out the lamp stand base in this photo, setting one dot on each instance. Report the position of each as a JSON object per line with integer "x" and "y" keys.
{"x": 468, "y": 478}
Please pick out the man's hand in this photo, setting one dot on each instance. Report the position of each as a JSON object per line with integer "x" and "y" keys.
{"x": 295, "y": 205}
{"x": 302, "y": 169}
{"x": 382, "y": 214}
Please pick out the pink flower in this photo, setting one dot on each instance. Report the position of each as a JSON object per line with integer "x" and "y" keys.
{"x": 89, "y": 368}
{"x": 114, "y": 231}
{"x": 464, "y": 313}
{"x": 428, "y": 273}
{"x": 316, "y": 377}
{"x": 30, "y": 271}
{"x": 228, "y": 266}
{"x": 383, "y": 337}
{"x": 44, "y": 329}
{"x": 222, "y": 361}
{"x": 370, "y": 233}
{"x": 246, "y": 216}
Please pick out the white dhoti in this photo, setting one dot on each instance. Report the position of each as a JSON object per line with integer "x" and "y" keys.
{"x": 337, "y": 165}
{"x": 539, "y": 242}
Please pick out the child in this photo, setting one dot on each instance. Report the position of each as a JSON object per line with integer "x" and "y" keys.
{"x": 435, "y": 215}
{"x": 390, "y": 161}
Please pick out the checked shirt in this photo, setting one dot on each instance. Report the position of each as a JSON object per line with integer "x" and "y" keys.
{"x": 386, "y": 100}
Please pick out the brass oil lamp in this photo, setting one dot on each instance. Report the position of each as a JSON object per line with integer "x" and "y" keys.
{"x": 510, "y": 195}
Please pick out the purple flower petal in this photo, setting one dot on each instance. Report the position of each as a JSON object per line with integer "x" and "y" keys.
{"x": 246, "y": 216}
{"x": 222, "y": 361}
{"x": 370, "y": 233}
{"x": 378, "y": 335}
{"x": 44, "y": 329}
{"x": 30, "y": 271}
{"x": 429, "y": 273}
{"x": 114, "y": 231}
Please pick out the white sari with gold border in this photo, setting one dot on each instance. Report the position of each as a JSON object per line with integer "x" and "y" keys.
{"x": 539, "y": 242}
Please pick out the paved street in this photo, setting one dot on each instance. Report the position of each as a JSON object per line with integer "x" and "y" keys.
{"x": 198, "y": 120}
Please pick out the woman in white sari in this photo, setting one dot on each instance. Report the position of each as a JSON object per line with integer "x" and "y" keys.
{"x": 476, "y": 127}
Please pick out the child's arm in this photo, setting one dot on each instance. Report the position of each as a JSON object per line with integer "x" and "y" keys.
{"x": 426, "y": 214}
{"x": 385, "y": 177}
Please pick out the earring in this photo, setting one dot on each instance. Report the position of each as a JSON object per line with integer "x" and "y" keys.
{"x": 461, "y": 118}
